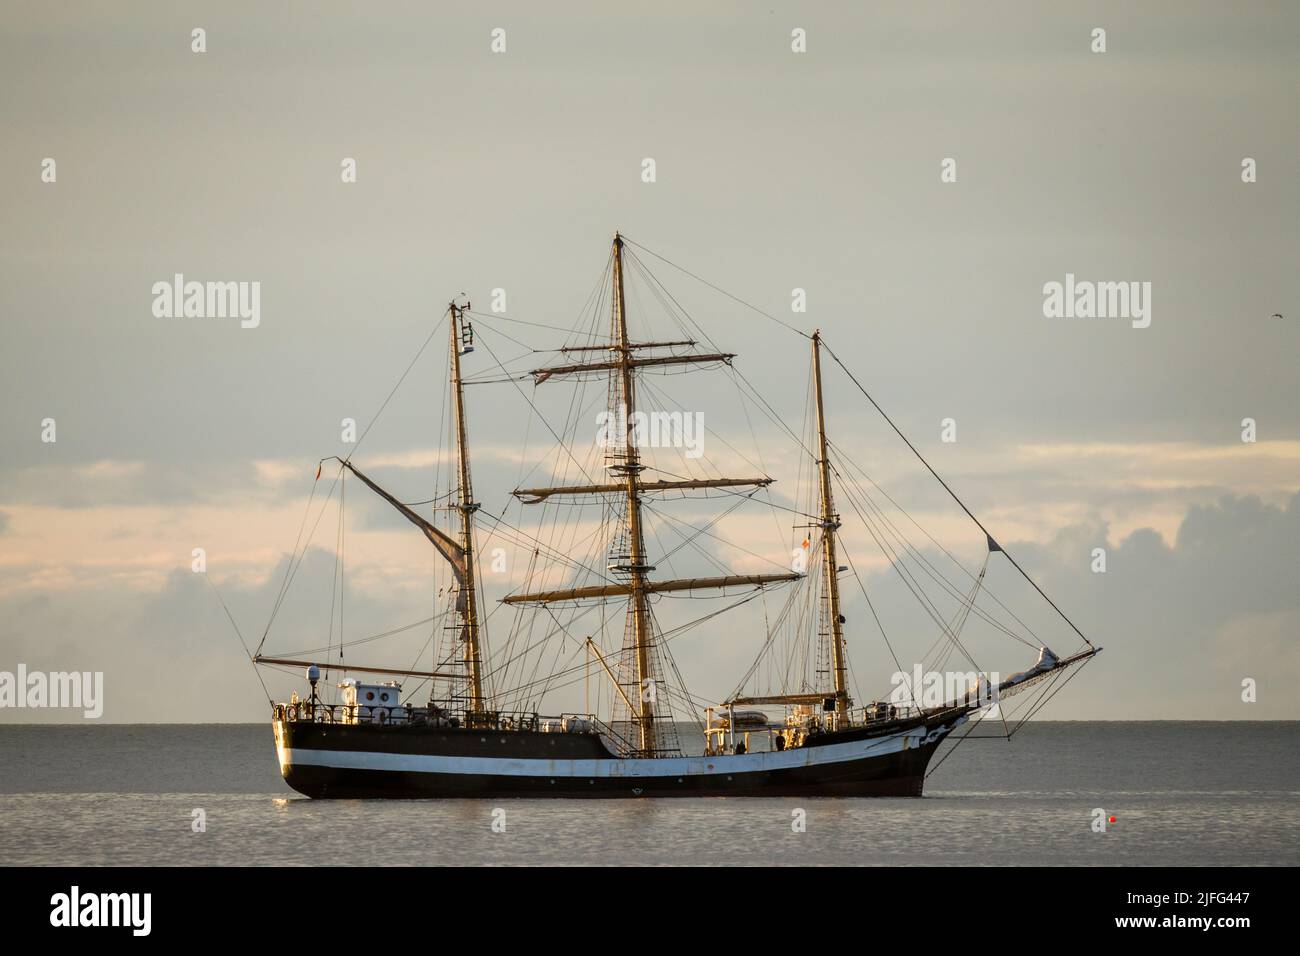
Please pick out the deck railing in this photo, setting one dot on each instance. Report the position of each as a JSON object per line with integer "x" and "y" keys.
{"x": 319, "y": 712}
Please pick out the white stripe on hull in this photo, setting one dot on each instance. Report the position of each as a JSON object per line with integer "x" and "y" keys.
{"x": 617, "y": 768}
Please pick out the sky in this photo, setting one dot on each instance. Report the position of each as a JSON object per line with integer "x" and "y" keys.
{"x": 775, "y": 170}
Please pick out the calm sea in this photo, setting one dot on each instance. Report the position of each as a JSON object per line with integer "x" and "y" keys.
{"x": 1182, "y": 793}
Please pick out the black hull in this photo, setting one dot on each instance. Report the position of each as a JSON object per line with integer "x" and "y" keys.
{"x": 395, "y": 764}
{"x": 898, "y": 775}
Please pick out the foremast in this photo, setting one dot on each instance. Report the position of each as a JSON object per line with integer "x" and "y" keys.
{"x": 830, "y": 523}
{"x": 467, "y": 596}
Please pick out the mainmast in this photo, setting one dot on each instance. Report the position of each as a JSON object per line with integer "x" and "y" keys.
{"x": 630, "y": 469}
{"x": 467, "y": 598}
{"x": 625, "y": 359}
{"x": 830, "y": 523}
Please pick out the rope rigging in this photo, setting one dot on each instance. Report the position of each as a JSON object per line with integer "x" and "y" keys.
{"x": 584, "y": 542}
{"x": 993, "y": 545}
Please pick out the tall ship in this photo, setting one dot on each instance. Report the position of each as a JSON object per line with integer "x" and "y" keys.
{"x": 607, "y": 579}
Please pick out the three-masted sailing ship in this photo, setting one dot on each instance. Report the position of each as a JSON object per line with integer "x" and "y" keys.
{"x": 367, "y": 737}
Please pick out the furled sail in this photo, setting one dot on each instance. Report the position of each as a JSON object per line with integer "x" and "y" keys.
{"x": 532, "y": 496}
{"x": 446, "y": 545}
{"x": 1047, "y": 663}
{"x": 649, "y": 587}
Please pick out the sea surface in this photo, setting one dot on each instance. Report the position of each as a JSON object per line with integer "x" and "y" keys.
{"x": 1193, "y": 793}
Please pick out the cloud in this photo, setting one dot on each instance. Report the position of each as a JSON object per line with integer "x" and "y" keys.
{"x": 1183, "y": 623}
{"x": 1199, "y": 592}
{"x": 170, "y": 654}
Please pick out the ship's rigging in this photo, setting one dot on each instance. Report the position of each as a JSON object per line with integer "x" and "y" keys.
{"x": 585, "y": 603}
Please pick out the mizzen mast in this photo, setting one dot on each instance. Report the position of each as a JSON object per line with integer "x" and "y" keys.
{"x": 467, "y": 598}
{"x": 830, "y": 523}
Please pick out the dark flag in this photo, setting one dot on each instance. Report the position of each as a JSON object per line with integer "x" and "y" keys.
{"x": 993, "y": 545}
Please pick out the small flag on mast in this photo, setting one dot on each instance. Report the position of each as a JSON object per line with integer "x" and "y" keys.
{"x": 993, "y": 545}
{"x": 318, "y": 479}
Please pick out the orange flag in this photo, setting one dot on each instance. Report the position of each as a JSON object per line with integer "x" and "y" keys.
{"x": 318, "y": 472}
